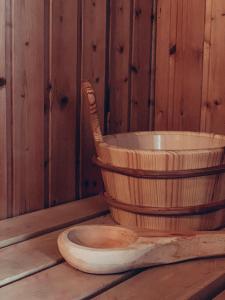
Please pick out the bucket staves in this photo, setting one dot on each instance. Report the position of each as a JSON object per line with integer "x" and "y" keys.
{"x": 161, "y": 180}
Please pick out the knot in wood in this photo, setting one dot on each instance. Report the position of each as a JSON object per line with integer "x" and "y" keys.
{"x": 2, "y": 81}
{"x": 64, "y": 101}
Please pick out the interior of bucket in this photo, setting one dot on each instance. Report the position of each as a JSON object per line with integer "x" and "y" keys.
{"x": 165, "y": 141}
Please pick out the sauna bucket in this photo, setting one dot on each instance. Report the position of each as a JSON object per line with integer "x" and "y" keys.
{"x": 161, "y": 180}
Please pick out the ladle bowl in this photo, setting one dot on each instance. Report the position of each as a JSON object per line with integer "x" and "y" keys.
{"x": 104, "y": 249}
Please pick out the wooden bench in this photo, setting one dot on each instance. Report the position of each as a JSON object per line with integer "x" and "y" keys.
{"x": 32, "y": 268}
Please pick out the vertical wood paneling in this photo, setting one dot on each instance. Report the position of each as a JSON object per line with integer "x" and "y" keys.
{"x": 188, "y": 74}
{"x": 213, "y": 96}
{"x": 162, "y": 63}
{"x": 179, "y": 64}
{"x": 63, "y": 80}
{"x": 206, "y": 58}
{"x": 94, "y": 45}
{"x": 48, "y": 47}
{"x": 47, "y": 89}
{"x": 153, "y": 66}
{"x": 3, "y": 114}
{"x": 120, "y": 41}
{"x": 28, "y": 105}
{"x": 141, "y": 65}
{"x": 8, "y": 116}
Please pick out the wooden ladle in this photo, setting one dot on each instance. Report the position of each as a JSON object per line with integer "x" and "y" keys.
{"x": 104, "y": 249}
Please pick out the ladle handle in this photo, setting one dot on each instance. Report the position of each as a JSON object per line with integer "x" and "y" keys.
{"x": 89, "y": 95}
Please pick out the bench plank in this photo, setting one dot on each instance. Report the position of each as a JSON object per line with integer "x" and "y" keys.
{"x": 190, "y": 280}
{"x": 24, "y": 227}
{"x": 34, "y": 255}
{"x": 60, "y": 282}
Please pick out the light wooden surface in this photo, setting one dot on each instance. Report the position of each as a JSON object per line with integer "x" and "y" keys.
{"x": 190, "y": 280}
{"x": 104, "y": 249}
{"x": 63, "y": 282}
{"x": 29, "y": 225}
{"x": 35, "y": 254}
{"x": 163, "y": 193}
{"x": 159, "y": 151}
{"x": 41, "y": 274}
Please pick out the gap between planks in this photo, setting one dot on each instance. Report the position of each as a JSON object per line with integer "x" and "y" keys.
{"x": 43, "y": 250}
{"x": 39, "y": 258}
{"x": 35, "y": 255}
{"x": 15, "y": 230}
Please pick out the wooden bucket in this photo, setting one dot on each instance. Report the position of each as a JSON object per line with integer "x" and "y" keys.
{"x": 167, "y": 181}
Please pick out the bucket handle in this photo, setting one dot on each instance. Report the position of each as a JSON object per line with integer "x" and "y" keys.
{"x": 89, "y": 95}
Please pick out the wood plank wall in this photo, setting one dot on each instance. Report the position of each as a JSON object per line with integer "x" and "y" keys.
{"x": 189, "y": 89}
{"x": 213, "y": 91}
{"x": 155, "y": 64}
{"x": 3, "y": 105}
{"x": 179, "y": 64}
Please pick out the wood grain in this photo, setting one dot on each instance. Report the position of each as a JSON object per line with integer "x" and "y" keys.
{"x": 168, "y": 171}
{"x": 9, "y": 116}
{"x": 46, "y": 100}
{"x": 28, "y": 105}
{"x": 119, "y": 78}
{"x": 164, "y": 63}
{"x": 200, "y": 279}
{"x": 141, "y": 65}
{"x": 103, "y": 249}
{"x": 179, "y": 64}
{"x": 21, "y": 228}
{"x": 51, "y": 46}
{"x": 94, "y": 40}
{"x": 63, "y": 107}
{"x": 3, "y": 113}
{"x": 63, "y": 282}
{"x": 213, "y": 101}
{"x": 35, "y": 255}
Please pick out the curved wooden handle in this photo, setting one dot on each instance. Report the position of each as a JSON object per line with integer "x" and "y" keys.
{"x": 89, "y": 94}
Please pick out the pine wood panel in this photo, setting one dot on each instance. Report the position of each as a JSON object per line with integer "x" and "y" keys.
{"x": 63, "y": 78}
{"x": 94, "y": 45}
{"x": 28, "y": 104}
{"x": 3, "y": 114}
{"x": 8, "y": 116}
{"x": 21, "y": 228}
{"x": 200, "y": 279}
{"x": 179, "y": 57}
{"x": 141, "y": 65}
{"x": 213, "y": 99}
{"x": 46, "y": 100}
{"x": 43, "y": 56}
{"x": 35, "y": 255}
{"x": 119, "y": 82}
{"x": 63, "y": 282}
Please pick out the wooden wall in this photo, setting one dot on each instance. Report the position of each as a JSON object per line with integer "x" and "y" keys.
{"x": 190, "y": 65}
{"x": 156, "y": 64}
